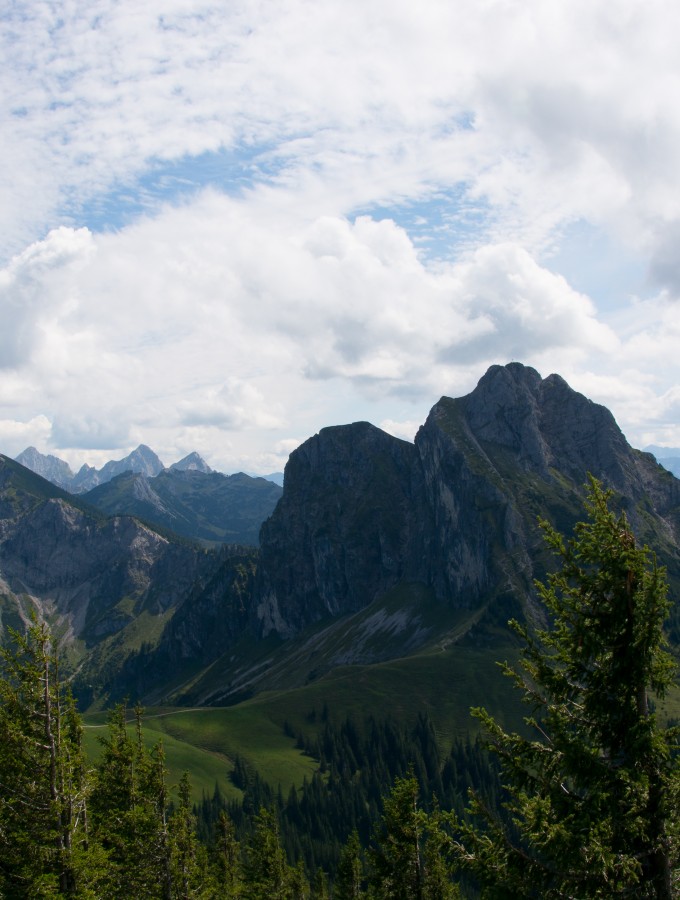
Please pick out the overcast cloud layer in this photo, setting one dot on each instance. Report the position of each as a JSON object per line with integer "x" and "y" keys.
{"x": 225, "y": 226}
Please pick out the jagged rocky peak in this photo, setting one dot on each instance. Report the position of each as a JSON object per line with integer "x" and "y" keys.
{"x": 543, "y": 422}
{"x": 143, "y": 461}
{"x": 504, "y": 409}
{"x": 455, "y": 512}
{"x": 48, "y": 466}
{"x": 194, "y": 462}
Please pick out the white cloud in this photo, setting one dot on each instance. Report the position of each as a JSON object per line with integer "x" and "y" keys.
{"x": 16, "y": 436}
{"x": 286, "y": 297}
{"x": 22, "y": 300}
{"x": 207, "y": 317}
{"x": 404, "y": 430}
{"x": 548, "y": 111}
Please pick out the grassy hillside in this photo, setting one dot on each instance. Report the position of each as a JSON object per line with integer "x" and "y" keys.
{"x": 206, "y": 741}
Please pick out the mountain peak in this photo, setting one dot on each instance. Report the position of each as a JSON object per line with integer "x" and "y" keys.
{"x": 546, "y": 424}
{"x": 193, "y": 462}
{"x": 50, "y": 467}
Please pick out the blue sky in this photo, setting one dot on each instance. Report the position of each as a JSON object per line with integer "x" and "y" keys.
{"x": 225, "y": 226}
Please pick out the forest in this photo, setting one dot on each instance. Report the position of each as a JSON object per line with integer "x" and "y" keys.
{"x": 583, "y": 802}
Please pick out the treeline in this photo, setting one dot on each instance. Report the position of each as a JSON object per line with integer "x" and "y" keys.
{"x": 366, "y": 824}
{"x": 359, "y": 762}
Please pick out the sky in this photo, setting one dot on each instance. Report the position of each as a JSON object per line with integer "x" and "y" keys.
{"x": 224, "y": 226}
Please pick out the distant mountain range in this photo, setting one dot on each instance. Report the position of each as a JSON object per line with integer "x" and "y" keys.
{"x": 143, "y": 461}
{"x": 206, "y": 506}
{"x": 189, "y": 497}
{"x": 382, "y": 561}
{"x": 669, "y": 457}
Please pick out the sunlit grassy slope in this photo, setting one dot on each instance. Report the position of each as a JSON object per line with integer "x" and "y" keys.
{"x": 444, "y": 683}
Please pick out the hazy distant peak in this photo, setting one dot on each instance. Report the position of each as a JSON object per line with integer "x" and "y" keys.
{"x": 143, "y": 461}
{"x": 194, "y": 462}
{"x": 47, "y": 466}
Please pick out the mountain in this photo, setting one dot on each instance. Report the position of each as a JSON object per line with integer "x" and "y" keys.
{"x": 192, "y": 463}
{"x": 381, "y": 550}
{"x": 105, "y": 584}
{"x": 50, "y": 467}
{"x": 385, "y": 563}
{"x": 200, "y": 505}
{"x": 276, "y": 477}
{"x": 142, "y": 460}
{"x": 668, "y": 457}
{"x": 456, "y": 511}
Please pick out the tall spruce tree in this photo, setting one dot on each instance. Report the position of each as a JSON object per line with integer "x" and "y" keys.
{"x": 129, "y": 812}
{"x": 188, "y": 857}
{"x": 594, "y": 795}
{"x": 266, "y": 871}
{"x": 43, "y": 781}
{"x": 409, "y": 860}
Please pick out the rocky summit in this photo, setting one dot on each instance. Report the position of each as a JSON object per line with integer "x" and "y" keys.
{"x": 457, "y": 511}
{"x": 377, "y": 549}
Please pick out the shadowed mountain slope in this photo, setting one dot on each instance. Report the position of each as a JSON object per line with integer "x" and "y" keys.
{"x": 201, "y": 505}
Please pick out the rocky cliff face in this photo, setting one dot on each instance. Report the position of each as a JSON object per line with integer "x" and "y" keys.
{"x": 336, "y": 538}
{"x": 89, "y": 575}
{"x": 457, "y": 511}
{"x": 47, "y": 466}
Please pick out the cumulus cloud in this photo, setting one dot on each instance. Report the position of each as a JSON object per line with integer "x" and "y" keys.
{"x": 289, "y": 295}
{"x": 15, "y": 436}
{"x": 404, "y": 430}
{"x": 208, "y": 317}
{"x": 233, "y": 405}
{"x": 546, "y": 112}
{"x": 24, "y": 305}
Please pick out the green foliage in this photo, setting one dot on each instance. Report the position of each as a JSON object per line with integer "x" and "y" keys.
{"x": 129, "y": 811}
{"x": 594, "y": 797}
{"x": 43, "y": 779}
{"x": 267, "y": 873}
{"x": 227, "y": 858}
{"x": 188, "y": 858}
{"x": 409, "y": 859}
{"x": 349, "y": 882}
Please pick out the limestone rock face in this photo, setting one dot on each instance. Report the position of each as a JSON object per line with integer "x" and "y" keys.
{"x": 457, "y": 511}
{"x": 48, "y": 466}
{"x": 336, "y": 538}
{"x": 194, "y": 462}
{"x": 427, "y": 534}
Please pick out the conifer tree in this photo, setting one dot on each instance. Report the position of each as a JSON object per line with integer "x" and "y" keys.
{"x": 403, "y": 867}
{"x": 43, "y": 780}
{"x": 350, "y": 875}
{"x": 229, "y": 869}
{"x": 594, "y": 795}
{"x": 188, "y": 858}
{"x": 129, "y": 805}
{"x": 267, "y": 873}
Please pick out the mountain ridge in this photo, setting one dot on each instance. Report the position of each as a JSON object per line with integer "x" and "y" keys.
{"x": 142, "y": 460}
{"x": 377, "y": 549}
{"x": 206, "y": 506}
